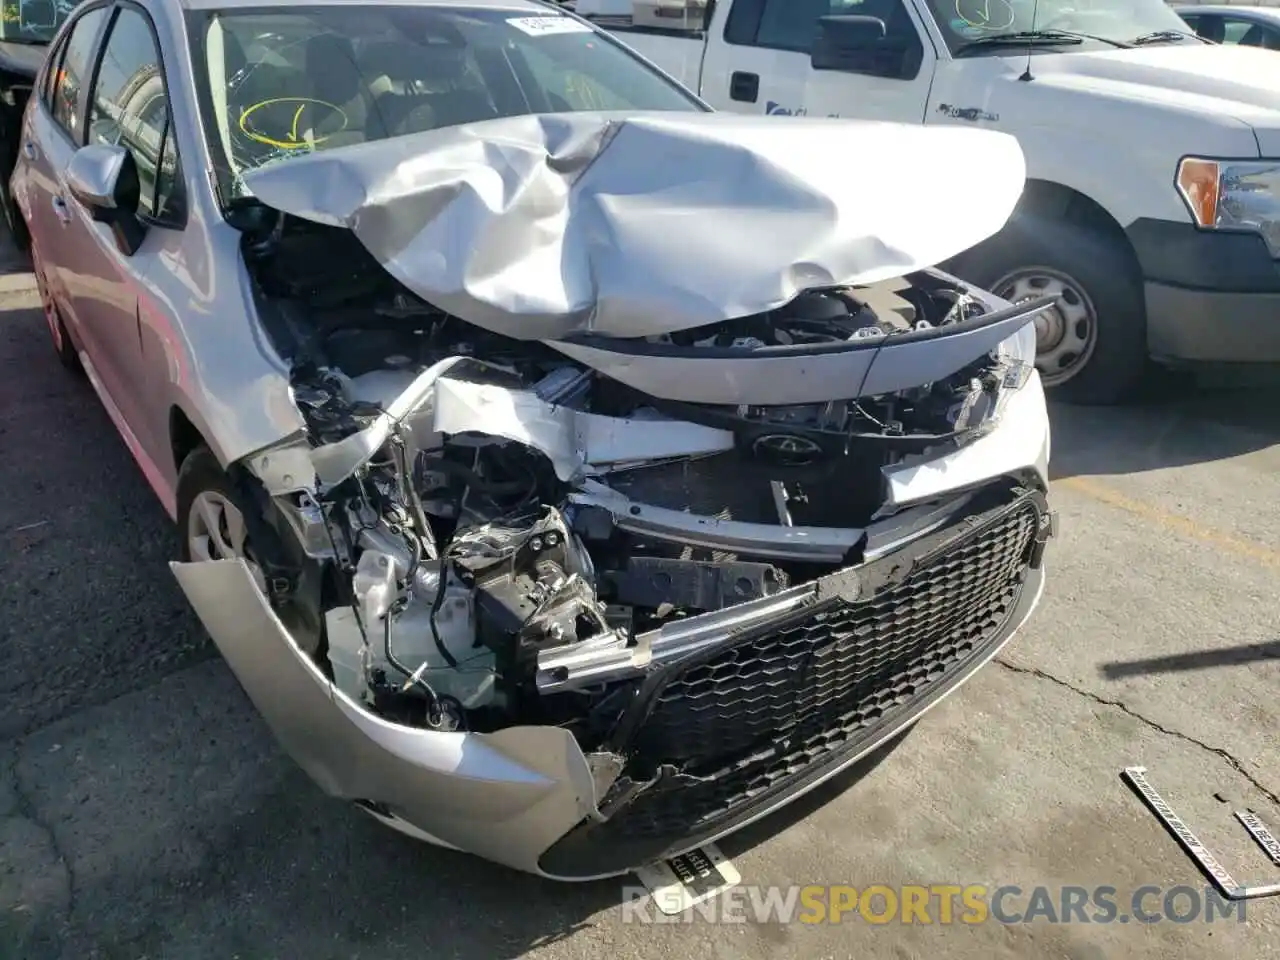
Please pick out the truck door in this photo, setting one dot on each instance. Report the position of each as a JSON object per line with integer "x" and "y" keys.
{"x": 764, "y": 63}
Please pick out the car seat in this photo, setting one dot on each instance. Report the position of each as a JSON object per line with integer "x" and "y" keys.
{"x": 335, "y": 78}
{"x": 452, "y": 95}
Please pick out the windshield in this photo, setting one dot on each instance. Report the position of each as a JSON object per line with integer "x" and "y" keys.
{"x": 282, "y": 82}
{"x": 1120, "y": 21}
{"x": 33, "y": 21}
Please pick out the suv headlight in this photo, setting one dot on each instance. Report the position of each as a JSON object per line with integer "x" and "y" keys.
{"x": 1234, "y": 195}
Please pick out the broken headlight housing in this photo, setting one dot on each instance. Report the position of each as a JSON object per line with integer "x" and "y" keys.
{"x": 1017, "y": 358}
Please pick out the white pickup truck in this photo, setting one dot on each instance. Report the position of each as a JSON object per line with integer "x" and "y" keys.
{"x": 1152, "y": 205}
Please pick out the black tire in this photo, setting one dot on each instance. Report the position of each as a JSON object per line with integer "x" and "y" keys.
{"x": 63, "y": 346}
{"x": 1103, "y": 267}
{"x": 199, "y": 473}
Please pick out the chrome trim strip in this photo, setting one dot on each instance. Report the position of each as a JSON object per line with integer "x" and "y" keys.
{"x": 606, "y": 659}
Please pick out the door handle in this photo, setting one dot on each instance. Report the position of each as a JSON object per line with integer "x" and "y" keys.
{"x": 60, "y": 210}
{"x": 29, "y": 148}
{"x": 744, "y": 87}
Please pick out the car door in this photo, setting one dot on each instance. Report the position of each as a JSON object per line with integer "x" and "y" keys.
{"x": 767, "y": 52}
{"x": 31, "y": 182}
{"x": 51, "y": 134}
{"x": 127, "y": 106}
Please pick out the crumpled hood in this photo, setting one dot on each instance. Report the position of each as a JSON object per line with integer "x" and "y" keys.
{"x": 1216, "y": 82}
{"x": 540, "y": 227}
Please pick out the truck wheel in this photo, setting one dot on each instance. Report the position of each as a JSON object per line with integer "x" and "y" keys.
{"x": 1092, "y": 347}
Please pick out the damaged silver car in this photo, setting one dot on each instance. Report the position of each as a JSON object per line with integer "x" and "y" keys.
{"x": 569, "y": 474}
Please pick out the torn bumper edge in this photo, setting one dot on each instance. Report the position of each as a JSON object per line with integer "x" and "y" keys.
{"x": 1020, "y": 441}
{"x": 505, "y": 796}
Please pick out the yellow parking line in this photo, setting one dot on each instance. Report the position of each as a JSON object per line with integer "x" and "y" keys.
{"x": 1170, "y": 521}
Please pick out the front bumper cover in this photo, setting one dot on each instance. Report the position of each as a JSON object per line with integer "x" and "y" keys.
{"x": 1211, "y": 296}
{"x": 506, "y": 796}
{"x": 528, "y": 797}
{"x": 718, "y": 739}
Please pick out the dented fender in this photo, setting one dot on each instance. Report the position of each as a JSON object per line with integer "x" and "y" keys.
{"x": 506, "y": 796}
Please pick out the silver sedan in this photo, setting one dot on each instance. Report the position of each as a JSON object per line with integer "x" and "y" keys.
{"x": 569, "y": 474}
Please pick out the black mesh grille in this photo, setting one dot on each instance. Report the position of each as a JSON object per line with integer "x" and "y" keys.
{"x": 764, "y": 711}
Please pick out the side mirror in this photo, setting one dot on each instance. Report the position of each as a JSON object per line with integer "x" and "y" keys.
{"x": 103, "y": 178}
{"x": 858, "y": 44}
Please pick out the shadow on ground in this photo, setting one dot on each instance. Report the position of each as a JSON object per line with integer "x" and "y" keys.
{"x": 1180, "y": 424}
{"x": 88, "y": 606}
{"x": 257, "y": 856}
{"x": 1241, "y": 655}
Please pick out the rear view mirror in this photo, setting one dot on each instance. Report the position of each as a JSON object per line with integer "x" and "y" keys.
{"x": 858, "y": 44}
{"x": 103, "y": 178}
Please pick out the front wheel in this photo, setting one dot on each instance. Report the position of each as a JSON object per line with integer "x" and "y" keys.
{"x": 1091, "y": 348}
{"x": 211, "y": 518}
{"x": 216, "y": 521}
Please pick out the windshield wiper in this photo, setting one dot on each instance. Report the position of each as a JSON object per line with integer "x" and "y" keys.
{"x": 1164, "y": 36}
{"x": 1036, "y": 38}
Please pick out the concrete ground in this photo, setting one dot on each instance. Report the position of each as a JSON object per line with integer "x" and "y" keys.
{"x": 145, "y": 812}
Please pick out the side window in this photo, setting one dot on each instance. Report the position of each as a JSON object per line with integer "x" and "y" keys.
{"x": 73, "y": 75}
{"x": 1234, "y": 31}
{"x": 130, "y": 108}
{"x": 793, "y": 25}
{"x": 744, "y": 22}
{"x": 52, "y": 64}
{"x": 567, "y": 89}
{"x": 1208, "y": 27}
{"x": 1248, "y": 34}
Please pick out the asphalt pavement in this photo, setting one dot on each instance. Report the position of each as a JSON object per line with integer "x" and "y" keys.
{"x": 145, "y": 811}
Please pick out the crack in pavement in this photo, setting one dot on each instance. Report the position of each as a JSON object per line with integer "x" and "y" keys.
{"x": 1235, "y": 764}
{"x": 26, "y": 809}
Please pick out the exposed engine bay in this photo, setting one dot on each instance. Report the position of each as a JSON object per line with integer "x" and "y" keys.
{"x": 527, "y": 536}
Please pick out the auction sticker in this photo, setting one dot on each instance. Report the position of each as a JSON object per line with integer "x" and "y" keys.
{"x": 546, "y": 26}
{"x": 677, "y": 884}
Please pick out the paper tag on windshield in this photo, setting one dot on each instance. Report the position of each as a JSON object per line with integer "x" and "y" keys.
{"x": 544, "y": 26}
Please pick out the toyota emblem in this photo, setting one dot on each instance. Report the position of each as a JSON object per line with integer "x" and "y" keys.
{"x": 787, "y": 448}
